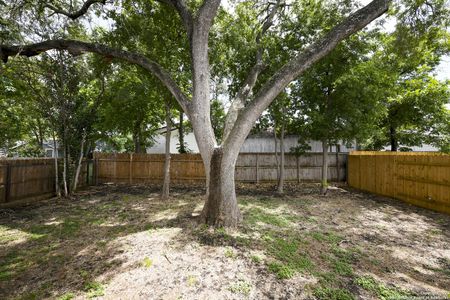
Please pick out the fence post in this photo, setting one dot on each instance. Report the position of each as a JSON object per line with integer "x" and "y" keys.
{"x": 346, "y": 167}
{"x": 257, "y": 169}
{"x": 8, "y": 183}
{"x": 298, "y": 168}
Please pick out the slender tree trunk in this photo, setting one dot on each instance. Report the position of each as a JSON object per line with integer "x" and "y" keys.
{"x": 221, "y": 208}
{"x": 55, "y": 156}
{"x": 324, "y": 183}
{"x": 41, "y": 134}
{"x": 338, "y": 170}
{"x": 141, "y": 142}
{"x": 277, "y": 162}
{"x": 166, "y": 183}
{"x": 280, "y": 188}
{"x": 136, "y": 143}
{"x": 393, "y": 138}
{"x": 182, "y": 148}
{"x": 80, "y": 161}
{"x": 65, "y": 166}
{"x": 137, "y": 138}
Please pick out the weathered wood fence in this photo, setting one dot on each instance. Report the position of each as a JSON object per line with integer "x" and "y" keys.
{"x": 419, "y": 178}
{"x": 422, "y": 179}
{"x": 186, "y": 168}
{"x": 26, "y": 179}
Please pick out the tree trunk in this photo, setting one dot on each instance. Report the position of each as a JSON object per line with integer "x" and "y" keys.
{"x": 393, "y": 137}
{"x": 80, "y": 161}
{"x": 41, "y": 135}
{"x": 182, "y": 148}
{"x": 137, "y": 145}
{"x": 166, "y": 183}
{"x": 221, "y": 208}
{"x": 137, "y": 138}
{"x": 277, "y": 162}
{"x": 65, "y": 170}
{"x": 338, "y": 170}
{"x": 324, "y": 183}
{"x": 55, "y": 156}
{"x": 280, "y": 188}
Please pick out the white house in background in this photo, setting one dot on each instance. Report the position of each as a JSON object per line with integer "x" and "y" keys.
{"x": 265, "y": 143}
{"x": 254, "y": 143}
{"x": 47, "y": 147}
{"x": 160, "y": 143}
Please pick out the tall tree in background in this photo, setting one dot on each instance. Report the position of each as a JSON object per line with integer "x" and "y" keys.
{"x": 132, "y": 110}
{"x": 73, "y": 98}
{"x": 278, "y": 118}
{"x": 414, "y": 101}
{"x": 197, "y": 20}
{"x": 332, "y": 106}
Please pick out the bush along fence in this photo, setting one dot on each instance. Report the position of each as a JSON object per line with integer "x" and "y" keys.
{"x": 26, "y": 180}
{"x": 188, "y": 168}
{"x": 418, "y": 178}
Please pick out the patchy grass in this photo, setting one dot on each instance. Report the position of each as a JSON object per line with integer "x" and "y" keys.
{"x": 67, "y": 296}
{"x": 241, "y": 287}
{"x": 257, "y": 215}
{"x": 282, "y": 271}
{"x": 256, "y": 259}
{"x": 147, "y": 262}
{"x": 192, "y": 280}
{"x": 122, "y": 242}
{"x": 229, "y": 253}
{"x": 380, "y": 290}
{"x": 327, "y": 293}
{"x": 94, "y": 289}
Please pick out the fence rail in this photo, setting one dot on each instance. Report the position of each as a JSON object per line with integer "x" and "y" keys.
{"x": 419, "y": 178}
{"x": 185, "y": 168}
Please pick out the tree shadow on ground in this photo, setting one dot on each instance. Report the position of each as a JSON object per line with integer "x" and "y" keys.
{"x": 60, "y": 246}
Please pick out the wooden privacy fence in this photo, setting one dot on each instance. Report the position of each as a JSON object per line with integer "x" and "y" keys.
{"x": 26, "y": 179}
{"x": 188, "y": 168}
{"x": 419, "y": 178}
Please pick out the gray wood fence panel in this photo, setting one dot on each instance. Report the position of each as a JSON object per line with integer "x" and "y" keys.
{"x": 308, "y": 167}
{"x": 250, "y": 167}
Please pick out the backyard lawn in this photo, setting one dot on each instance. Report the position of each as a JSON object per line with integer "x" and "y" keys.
{"x": 119, "y": 242}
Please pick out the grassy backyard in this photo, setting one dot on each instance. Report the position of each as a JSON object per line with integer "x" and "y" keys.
{"x": 118, "y": 242}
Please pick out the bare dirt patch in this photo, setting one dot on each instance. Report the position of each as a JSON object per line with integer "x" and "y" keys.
{"x": 121, "y": 242}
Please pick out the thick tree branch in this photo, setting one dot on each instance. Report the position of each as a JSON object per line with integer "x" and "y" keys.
{"x": 77, "y": 14}
{"x": 300, "y": 64}
{"x": 249, "y": 83}
{"x": 201, "y": 117}
{"x": 77, "y": 48}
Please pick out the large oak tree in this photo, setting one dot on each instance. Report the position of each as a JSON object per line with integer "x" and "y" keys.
{"x": 248, "y": 103}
